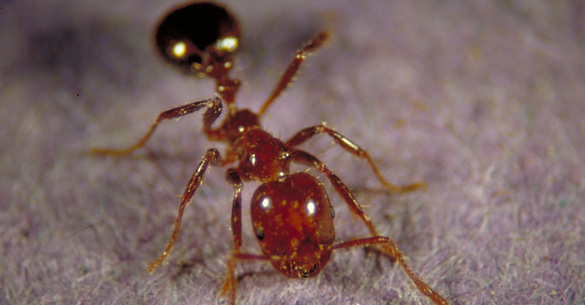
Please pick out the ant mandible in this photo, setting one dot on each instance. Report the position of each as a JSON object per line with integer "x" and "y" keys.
{"x": 291, "y": 213}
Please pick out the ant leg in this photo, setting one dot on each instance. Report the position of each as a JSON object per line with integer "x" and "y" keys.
{"x": 234, "y": 178}
{"x": 343, "y": 191}
{"x": 231, "y": 282}
{"x": 212, "y": 156}
{"x": 307, "y": 133}
{"x": 308, "y": 159}
{"x": 214, "y": 105}
{"x": 390, "y": 244}
{"x": 293, "y": 67}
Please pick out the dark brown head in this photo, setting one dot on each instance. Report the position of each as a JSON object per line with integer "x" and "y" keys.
{"x": 199, "y": 37}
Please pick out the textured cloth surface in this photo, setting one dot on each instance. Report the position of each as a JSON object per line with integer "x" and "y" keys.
{"x": 481, "y": 100}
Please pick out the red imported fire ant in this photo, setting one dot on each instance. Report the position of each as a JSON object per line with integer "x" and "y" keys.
{"x": 291, "y": 213}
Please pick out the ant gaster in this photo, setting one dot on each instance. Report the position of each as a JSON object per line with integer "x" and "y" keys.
{"x": 291, "y": 213}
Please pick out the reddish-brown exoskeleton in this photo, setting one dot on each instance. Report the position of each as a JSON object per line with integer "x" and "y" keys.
{"x": 291, "y": 213}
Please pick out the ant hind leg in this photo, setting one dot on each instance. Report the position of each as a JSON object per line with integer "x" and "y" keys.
{"x": 231, "y": 283}
{"x": 390, "y": 244}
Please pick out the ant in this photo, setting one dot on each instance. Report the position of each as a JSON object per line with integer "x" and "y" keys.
{"x": 292, "y": 216}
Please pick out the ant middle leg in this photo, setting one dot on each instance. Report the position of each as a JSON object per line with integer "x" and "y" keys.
{"x": 354, "y": 206}
{"x": 214, "y": 105}
{"x": 307, "y": 133}
{"x": 292, "y": 69}
{"x": 423, "y": 287}
{"x": 211, "y": 157}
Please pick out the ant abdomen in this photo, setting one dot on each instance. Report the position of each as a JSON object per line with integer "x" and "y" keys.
{"x": 293, "y": 222}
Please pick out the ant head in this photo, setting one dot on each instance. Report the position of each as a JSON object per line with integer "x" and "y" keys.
{"x": 199, "y": 38}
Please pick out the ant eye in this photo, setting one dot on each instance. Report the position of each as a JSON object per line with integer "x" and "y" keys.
{"x": 260, "y": 234}
{"x": 332, "y": 211}
{"x": 188, "y": 35}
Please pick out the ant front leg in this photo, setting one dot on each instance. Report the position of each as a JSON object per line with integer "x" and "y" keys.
{"x": 307, "y": 133}
{"x": 390, "y": 244}
{"x": 292, "y": 69}
{"x": 214, "y": 105}
{"x": 211, "y": 157}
